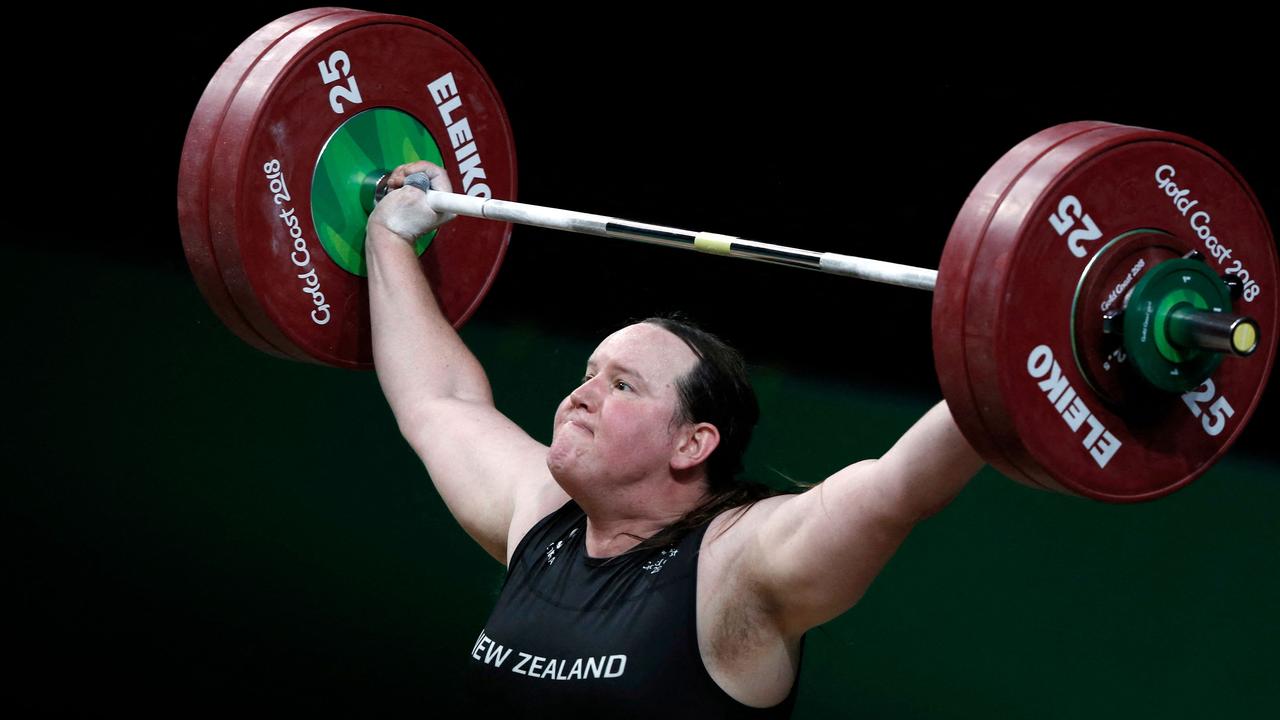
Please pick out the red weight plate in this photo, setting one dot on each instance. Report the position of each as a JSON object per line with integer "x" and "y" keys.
{"x": 193, "y": 171}
{"x": 277, "y": 125}
{"x": 977, "y": 342}
{"x": 1033, "y": 399}
{"x": 955, "y": 268}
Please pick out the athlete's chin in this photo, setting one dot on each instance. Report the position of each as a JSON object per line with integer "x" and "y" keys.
{"x": 562, "y": 461}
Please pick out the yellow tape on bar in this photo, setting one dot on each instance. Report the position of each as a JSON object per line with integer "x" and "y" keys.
{"x": 713, "y": 243}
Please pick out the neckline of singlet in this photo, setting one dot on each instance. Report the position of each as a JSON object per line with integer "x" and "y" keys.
{"x": 617, "y": 560}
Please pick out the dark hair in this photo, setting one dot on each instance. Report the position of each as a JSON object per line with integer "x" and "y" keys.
{"x": 718, "y": 391}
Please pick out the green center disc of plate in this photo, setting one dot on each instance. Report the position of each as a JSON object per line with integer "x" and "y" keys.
{"x": 1164, "y": 287}
{"x": 359, "y": 152}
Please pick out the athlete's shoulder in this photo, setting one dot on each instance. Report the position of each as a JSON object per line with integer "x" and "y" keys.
{"x": 732, "y": 529}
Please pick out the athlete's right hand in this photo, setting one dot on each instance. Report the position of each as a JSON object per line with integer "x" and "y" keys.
{"x": 404, "y": 210}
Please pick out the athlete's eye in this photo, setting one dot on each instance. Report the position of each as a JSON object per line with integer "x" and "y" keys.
{"x": 621, "y": 385}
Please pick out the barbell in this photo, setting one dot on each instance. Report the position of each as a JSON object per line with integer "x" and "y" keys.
{"x": 1104, "y": 311}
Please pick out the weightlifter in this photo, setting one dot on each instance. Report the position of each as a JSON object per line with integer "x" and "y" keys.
{"x": 643, "y": 578}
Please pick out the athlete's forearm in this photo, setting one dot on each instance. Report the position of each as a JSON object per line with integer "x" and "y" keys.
{"x": 931, "y": 463}
{"x": 418, "y": 355}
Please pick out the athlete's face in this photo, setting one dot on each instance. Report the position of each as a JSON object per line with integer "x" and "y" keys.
{"x": 617, "y": 425}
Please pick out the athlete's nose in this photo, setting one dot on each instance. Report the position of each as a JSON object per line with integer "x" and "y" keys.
{"x": 585, "y": 396}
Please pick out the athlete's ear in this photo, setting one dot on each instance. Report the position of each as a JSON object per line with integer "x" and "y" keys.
{"x": 696, "y": 442}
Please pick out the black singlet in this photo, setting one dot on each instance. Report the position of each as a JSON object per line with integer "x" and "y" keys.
{"x": 572, "y": 635}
